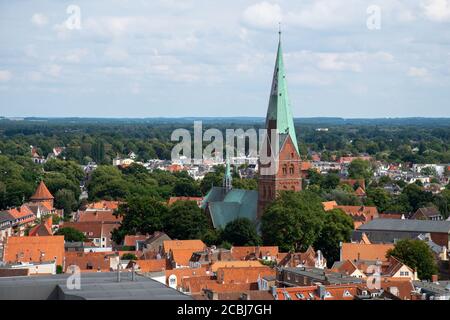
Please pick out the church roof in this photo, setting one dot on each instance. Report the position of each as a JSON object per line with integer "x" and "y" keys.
{"x": 226, "y": 207}
{"x": 42, "y": 193}
{"x": 279, "y": 106}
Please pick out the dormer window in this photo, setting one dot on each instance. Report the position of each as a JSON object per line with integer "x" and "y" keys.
{"x": 328, "y": 294}
{"x": 347, "y": 293}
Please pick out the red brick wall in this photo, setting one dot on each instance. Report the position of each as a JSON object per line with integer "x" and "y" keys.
{"x": 287, "y": 178}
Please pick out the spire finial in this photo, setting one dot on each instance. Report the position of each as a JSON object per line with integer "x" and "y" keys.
{"x": 279, "y": 31}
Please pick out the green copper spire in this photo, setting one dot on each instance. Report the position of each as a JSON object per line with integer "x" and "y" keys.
{"x": 279, "y": 114}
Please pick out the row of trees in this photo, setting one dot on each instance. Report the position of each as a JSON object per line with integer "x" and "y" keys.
{"x": 19, "y": 177}
{"x": 102, "y": 140}
{"x": 109, "y": 182}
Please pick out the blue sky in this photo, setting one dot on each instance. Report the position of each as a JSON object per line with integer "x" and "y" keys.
{"x": 215, "y": 58}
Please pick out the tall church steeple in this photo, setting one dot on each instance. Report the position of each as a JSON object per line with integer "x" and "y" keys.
{"x": 287, "y": 176}
{"x": 279, "y": 114}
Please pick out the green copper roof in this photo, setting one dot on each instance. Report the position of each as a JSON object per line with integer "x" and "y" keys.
{"x": 225, "y": 207}
{"x": 279, "y": 106}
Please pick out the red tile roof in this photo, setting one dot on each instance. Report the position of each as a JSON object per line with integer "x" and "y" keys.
{"x": 104, "y": 205}
{"x": 103, "y": 216}
{"x": 234, "y": 264}
{"x": 243, "y": 275}
{"x": 360, "y": 251}
{"x": 337, "y": 292}
{"x": 154, "y": 265}
{"x": 86, "y": 261}
{"x": 42, "y": 229}
{"x": 34, "y": 249}
{"x": 172, "y": 200}
{"x": 130, "y": 241}
{"x": 42, "y": 193}
{"x": 194, "y": 245}
{"x": 242, "y": 253}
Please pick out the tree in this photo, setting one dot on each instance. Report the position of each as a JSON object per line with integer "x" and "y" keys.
{"x": 416, "y": 196}
{"x": 360, "y": 169}
{"x": 428, "y": 171}
{"x": 442, "y": 201}
{"x": 71, "y": 234}
{"x": 241, "y": 232}
{"x": 337, "y": 228}
{"x": 379, "y": 197}
{"x": 415, "y": 254}
{"x": 65, "y": 199}
{"x": 129, "y": 256}
{"x": 186, "y": 188}
{"x": 141, "y": 215}
{"x": 185, "y": 221}
{"x": 331, "y": 181}
{"x": 293, "y": 221}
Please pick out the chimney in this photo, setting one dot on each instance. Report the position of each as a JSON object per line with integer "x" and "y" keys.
{"x": 434, "y": 278}
{"x": 322, "y": 291}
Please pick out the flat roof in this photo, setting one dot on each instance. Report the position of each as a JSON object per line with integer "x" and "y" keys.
{"x": 94, "y": 286}
{"x": 406, "y": 225}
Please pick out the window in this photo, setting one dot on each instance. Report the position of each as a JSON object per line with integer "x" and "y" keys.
{"x": 347, "y": 293}
{"x": 328, "y": 294}
{"x": 284, "y": 169}
{"x": 300, "y": 295}
{"x": 291, "y": 169}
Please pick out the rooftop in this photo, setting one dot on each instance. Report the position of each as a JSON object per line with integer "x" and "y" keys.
{"x": 94, "y": 286}
{"x": 406, "y": 225}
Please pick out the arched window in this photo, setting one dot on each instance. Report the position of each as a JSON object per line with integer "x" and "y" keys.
{"x": 291, "y": 169}
{"x": 285, "y": 169}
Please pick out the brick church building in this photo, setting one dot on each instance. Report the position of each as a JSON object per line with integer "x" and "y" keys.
{"x": 280, "y": 165}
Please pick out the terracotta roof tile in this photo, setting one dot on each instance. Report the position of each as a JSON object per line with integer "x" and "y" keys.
{"x": 30, "y": 249}
{"x": 195, "y": 245}
{"x": 235, "y": 264}
{"x": 86, "y": 261}
{"x": 42, "y": 193}
{"x": 243, "y": 275}
{"x": 154, "y": 265}
{"x": 130, "y": 240}
{"x": 241, "y": 253}
{"x": 361, "y": 251}
{"x": 103, "y": 216}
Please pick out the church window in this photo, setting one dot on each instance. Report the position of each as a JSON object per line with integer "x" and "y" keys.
{"x": 291, "y": 169}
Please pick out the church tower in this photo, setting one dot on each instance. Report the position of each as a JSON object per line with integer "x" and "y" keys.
{"x": 287, "y": 161}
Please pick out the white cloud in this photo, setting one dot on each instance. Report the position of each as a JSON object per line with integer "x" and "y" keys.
{"x": 39, "y": 19}
{"x": 53, "y": 70}
{"x": 350, "y": 61}
{"x": 116, "y": 53}
{"x": 338, "y": 62}
{"x": 5, "y": 75}
{"x": 418, "y": 72}
{"x": 323, "y": 14}
{"x": 263, "y": 15}
{"x": 437, "y": 10}
{"x": 75, "y": 56}
{"x": 35, "y": 76}
{"x": 135, "y": 88}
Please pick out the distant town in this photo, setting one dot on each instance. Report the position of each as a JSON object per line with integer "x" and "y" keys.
{"x": 353, "y": 212}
